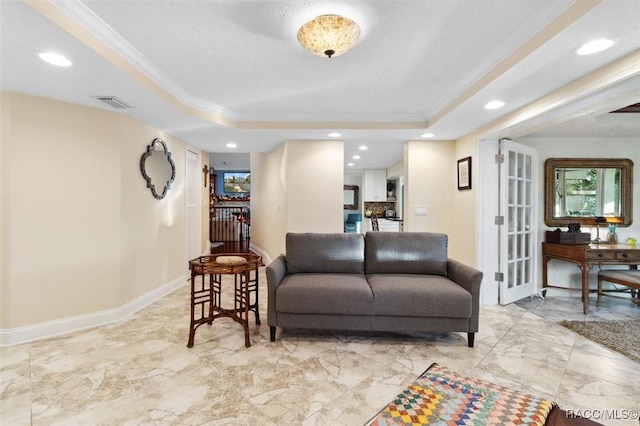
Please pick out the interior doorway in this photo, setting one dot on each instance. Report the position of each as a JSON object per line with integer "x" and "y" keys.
{"x": 518, "y": 243}
{"x": 496, "y": 215}
{"x": 230, "y": 202}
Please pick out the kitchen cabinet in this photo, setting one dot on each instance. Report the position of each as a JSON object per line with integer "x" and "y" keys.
{"x": 388, "y": 225}
{"x": 385, "y": 225}
{"x": 375, "y": 185}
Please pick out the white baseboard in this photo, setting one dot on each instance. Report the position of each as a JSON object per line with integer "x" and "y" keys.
{"x": 18, "y": 335}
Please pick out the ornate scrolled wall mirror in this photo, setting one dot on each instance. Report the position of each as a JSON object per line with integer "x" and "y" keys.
{"x": 577, "y": 190}
{"x": 158, "y": 168}
{"x": 351, "y": 198}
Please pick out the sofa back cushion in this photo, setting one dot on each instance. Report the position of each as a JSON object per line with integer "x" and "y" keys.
{"x": 325, "y": 253}
{"x": 406, "y": 253}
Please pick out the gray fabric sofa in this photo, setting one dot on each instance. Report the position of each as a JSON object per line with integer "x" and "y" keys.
{"x": 386, "y": 281}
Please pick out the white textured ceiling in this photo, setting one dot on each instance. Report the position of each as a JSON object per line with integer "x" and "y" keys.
{"x": 215, "y": 71}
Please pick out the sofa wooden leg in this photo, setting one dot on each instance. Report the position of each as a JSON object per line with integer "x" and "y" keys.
{"x": 272, "y": 334}
{"x": 470, "y": 337}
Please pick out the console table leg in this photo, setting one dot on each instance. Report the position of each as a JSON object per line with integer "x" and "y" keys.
{"x": 585, "y": 287}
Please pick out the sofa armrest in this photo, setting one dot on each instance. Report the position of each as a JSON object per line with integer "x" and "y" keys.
{"x": 470, "y": 279}
{"x": 276, "y": 271}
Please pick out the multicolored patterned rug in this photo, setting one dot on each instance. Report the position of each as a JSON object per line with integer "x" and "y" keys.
{"x": 443, "y": 397}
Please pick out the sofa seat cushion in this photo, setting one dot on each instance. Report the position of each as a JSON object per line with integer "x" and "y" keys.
{"x": 340, "y": 294}
{"x": 419, "y": 296}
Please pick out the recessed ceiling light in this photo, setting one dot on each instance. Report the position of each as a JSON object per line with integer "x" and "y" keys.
{"x": 334, "y": 135}
{"x": 363, "y": 148}
{"x": 54, "y": 58}
{"x": 356, "y": 157}
{"x": 494, "y": 105}
{"x": 350, "y": 164}
{"x": 595, "y": 46}
{"x": 427, "y": 135}
{"x": 231, "y": 145}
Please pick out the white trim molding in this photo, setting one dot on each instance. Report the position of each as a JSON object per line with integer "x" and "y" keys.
{"x": 30, "y": 333}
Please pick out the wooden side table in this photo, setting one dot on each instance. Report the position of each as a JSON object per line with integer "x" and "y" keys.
{"x": 206, "y": 290}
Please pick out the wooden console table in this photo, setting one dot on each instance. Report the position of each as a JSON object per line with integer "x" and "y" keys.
{"x": 586, "y": 256}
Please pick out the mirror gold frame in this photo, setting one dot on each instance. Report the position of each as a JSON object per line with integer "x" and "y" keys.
{"x": 626, "y": 189}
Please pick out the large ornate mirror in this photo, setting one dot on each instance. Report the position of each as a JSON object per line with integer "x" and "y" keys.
{"x": 577, "y": 190}
{"x": 350, "y": 195}
{"x": 158, "y": 168}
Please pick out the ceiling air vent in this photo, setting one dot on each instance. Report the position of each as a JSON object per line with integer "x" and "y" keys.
{"x": 114, "y": 102}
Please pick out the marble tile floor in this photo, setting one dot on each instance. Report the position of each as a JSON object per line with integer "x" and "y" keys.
{"x": 140, "y": 372}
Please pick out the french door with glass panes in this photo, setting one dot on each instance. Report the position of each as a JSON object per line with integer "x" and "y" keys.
{"x": 518, "y": 207}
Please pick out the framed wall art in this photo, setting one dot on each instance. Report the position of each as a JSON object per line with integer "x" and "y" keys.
{"x": 464, "y": 173}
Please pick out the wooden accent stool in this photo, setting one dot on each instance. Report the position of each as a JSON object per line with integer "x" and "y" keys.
{"x": 629, "y": 278}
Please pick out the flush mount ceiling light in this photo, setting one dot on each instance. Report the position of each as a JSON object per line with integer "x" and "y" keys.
{"x": 334, "y": 135}
{"x": 595, "y": 46}
{"x": 494, "y": 105}
{"x": 231, "y": 145}
{"x": 427, "y": 135}
{"x": 363, "y": 148}
{"x": 54, "y": 58}
{"x": 328, "y": 35}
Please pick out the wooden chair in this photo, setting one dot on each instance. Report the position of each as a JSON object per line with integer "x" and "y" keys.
{"x": 374, "y": 222}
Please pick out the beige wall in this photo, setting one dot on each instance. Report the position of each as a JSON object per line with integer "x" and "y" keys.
{"x": 269, "y": 201}
{"x": 462, "y": 241}
{"x": 430, "y": 180}
{"x": 5, "y": 131}
{"x": 315, "y": 176}
{"x": 299, "y": 189}
{"x": 86, "y": 235}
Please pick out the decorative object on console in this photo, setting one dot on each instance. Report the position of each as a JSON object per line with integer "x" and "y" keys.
{"x": 464, "y": 173}
{"x": 158, "y": 168}
{"x": 612, "y": 225}
{"x": 599, "y": 220}
{"x": 559, "y": 237}
{"x": 329, "y": 35}
{"x": 574, "y": 227}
